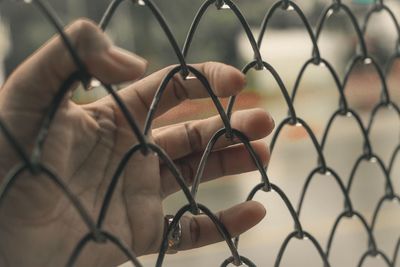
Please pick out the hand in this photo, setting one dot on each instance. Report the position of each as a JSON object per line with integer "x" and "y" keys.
{"x": 38, "y": 224}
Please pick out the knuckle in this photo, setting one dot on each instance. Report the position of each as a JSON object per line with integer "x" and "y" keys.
{"x": 84, "y": 26}
{"x": 194, "y": 137}
{"x": 87, "y": 37}
{"x": 179, "y": 89}
{"x": 220, "y": 217}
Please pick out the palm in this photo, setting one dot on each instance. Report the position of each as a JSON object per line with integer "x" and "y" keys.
{"x": 86, "y": 143}
{"x": 104, "y": 137}
{"x": 100, "y": 136}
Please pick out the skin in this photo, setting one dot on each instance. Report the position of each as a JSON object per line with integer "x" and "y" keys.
{"x": 38, "y": 225}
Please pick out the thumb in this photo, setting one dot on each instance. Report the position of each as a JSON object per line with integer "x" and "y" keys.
{"x": 33, "y": 84}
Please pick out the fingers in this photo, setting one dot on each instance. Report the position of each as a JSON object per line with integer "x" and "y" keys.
{"x": 228, "y": 161}
{"x": 191, "y": 137}
{"x": 199, "y": 231}
{"x": 39, "y": 77}
{"x": 224, "y": 80}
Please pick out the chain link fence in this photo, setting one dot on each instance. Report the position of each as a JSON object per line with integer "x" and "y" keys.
{"x": 32, "y": 162}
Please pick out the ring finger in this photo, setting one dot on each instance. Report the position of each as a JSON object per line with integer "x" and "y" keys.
{"x": 228, "y": 161}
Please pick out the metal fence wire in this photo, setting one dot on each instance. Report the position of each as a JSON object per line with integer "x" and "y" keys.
{"x": 32, "y": 162}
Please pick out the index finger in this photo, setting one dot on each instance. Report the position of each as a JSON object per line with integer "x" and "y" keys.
{"x": 224, "y": 80}
{"x": 33, "y": 84}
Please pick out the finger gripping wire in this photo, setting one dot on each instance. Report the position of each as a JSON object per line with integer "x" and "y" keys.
{"x": 31, "y": 161}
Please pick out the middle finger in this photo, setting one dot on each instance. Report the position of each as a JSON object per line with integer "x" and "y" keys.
{"x": 192, "y": 137}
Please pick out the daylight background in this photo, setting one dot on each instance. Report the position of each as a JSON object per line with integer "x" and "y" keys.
{"x": 286, "y": 47}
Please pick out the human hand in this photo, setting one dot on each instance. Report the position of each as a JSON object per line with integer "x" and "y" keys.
{"x": 39, "y": 226}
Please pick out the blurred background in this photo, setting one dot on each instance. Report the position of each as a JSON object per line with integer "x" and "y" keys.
{"x": 286, "y": 46}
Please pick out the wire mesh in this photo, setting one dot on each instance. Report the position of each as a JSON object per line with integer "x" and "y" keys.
{"x": 33, "y": 164}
